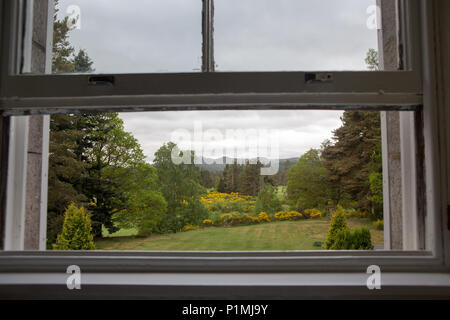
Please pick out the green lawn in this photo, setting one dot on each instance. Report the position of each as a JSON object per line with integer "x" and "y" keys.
{"x": 285, "y": 235}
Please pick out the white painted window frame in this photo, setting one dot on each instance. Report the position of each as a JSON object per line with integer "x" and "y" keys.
{"x": 402, "y": 90}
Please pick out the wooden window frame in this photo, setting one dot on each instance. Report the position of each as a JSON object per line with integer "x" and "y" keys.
{"x": 412, "y": 89}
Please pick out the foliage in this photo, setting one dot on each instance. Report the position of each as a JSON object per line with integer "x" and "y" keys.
{"x": 208, "y": 223}
{"x": 228, "y": 202}
{"x": 350, "y": 160}
{"x": 356, "y": 213}
{"x": 358, "y": 239}
{"x": 313, "y": 213}
{"x": 180, "y": 186}
{"x": 263, "y": 217}
{"x": 76, "y": 232}
{"x": 242, "y": 178}
{"x": 145, "y": 205}
{"x": 82, "y": 62}
{"x": 306, "y": 186}
{"x": 338, "y": 223}
{"x": 372, "y": 60}
{"x": 225, "y": 219}
{"x": 379, "y": 224}
{"x": 288, "y": 215}
{"x": 190, "y": 227}
{"x": 267, "y": 200}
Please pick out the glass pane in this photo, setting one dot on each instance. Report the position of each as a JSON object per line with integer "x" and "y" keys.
{"x": 127, "y": 170}
{"x": 289, "y": 35}
{"x": 140, "y": 36}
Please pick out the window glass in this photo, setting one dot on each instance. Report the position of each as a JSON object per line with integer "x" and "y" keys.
{"x": 142, "y": 36}
{"x": 293, "y": 35}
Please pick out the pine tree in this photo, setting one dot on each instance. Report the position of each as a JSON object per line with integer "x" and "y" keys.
{"x": 350, "y": 159}
{"x": 76, "y": 232}
{"x": 82, "y": 62}
{"x": 338, "y": 224}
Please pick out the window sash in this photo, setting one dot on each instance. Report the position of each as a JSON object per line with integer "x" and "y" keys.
{"x": 23, "y": 94}
{"x": 145, "y": 92}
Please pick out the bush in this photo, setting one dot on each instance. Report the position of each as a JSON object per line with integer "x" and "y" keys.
{"x": 235, "y": 219}
{"x": 225, "y": 219}
{"x": 191, "y": 213}
{"x": 267, "y": 201}
{"x": 356, "y": 213}
{"x": 338, "y": 223}
{"x": 208, "y": 223}
{"x": 358, "y": 239}
{"x": 76, "y": 231}
{"x": 263, "y": 217}
{"x": 379, "y": 224}
{"x": 190, "y": 227}
{"x": 313, "y": 213}
{"x": 248, "y": 219}
{"x": 288, "y": 215}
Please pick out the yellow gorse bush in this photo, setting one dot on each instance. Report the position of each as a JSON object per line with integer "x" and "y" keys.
{"x": 226, "y": 202}
{"x": 263, "y": 217}
{"x": 189, "y": 227}
{"x": 356, "y": 214}
{"x": 288, "y": 215}
{"x": 208, "y": 223}
{"x": 379, "y": 224}
{"x": 313, "y": 213}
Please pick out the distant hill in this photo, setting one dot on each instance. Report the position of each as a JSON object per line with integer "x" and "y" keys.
{"x": 218, "y": 165}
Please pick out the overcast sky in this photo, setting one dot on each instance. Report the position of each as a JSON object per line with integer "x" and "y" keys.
{"x": 250, "y": 35}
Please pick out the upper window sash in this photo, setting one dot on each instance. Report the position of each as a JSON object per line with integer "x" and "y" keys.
{"x": 388, "y": 90}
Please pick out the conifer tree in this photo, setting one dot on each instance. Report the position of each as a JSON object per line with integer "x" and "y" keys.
{"x": 76, "y": 232}
{"x": 338, "y": 224}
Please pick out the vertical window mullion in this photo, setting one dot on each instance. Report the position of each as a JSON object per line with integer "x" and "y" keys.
{"x": 208, "y": 36}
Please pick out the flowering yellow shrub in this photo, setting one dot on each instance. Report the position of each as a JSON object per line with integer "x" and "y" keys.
{"x": 313, "y": 213}
{"x": 379, "y": 224}
{"x": 208, "y": 223}
{"x": 356, "y": 214}
{"x": 288, "y": 215}
{"x": 248, "y": 219}
{"x": 263, "y": 217}
{"x": 235, "y": 219}
{"x": 227, "y": 202}
{"x": 189, "y": 227}
{"x": 225, "y": 218}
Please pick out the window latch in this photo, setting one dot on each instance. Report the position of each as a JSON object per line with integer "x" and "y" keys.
{"x": 101, "y": 81}
{"x": 319, "y": 77}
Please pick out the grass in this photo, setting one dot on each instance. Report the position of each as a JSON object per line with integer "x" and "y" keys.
{"x": 284, "y": 235}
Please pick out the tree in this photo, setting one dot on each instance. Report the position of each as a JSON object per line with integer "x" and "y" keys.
{"x": 180, "y": 186}
{"x": 267, "y": 201}
{"x": 338, "y": 224}
{"x": 146, "y": 205}
{"x": 372, "y": 60}
{"x": 62, "y": 50}
{"x": 76, "y": 232}
{"x": 306, "y": 187}
{"x": 66, "y": 172}
{"x": 350, "y": 161}
{"x": 82, "y": 62}
{"x": 107, "y": 150}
